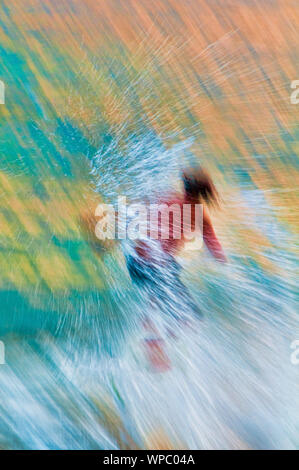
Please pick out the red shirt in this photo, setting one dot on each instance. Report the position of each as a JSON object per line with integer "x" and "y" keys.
{"x": 175, "y": 220}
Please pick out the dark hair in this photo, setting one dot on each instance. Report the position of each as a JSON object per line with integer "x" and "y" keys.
{"x": 198, "y": 183}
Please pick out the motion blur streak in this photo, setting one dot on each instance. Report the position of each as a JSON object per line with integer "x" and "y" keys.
{"x": 114, "y": 97}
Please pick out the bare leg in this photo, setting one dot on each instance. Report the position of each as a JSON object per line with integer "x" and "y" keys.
{"x": 154, "y": 347}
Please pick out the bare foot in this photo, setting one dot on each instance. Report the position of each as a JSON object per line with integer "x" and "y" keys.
{"x": 156, "y": 355}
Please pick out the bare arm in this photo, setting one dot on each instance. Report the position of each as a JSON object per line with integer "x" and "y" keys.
{"x": 210, "y": 238}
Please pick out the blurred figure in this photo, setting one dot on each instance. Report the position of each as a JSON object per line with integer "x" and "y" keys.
{"x": 154, "y": 269}
{"x": 152, "y": 263}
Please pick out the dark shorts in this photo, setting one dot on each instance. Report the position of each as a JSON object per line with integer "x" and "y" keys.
{"x": 144, "y": 272}
{"x": 162, "y": 284}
